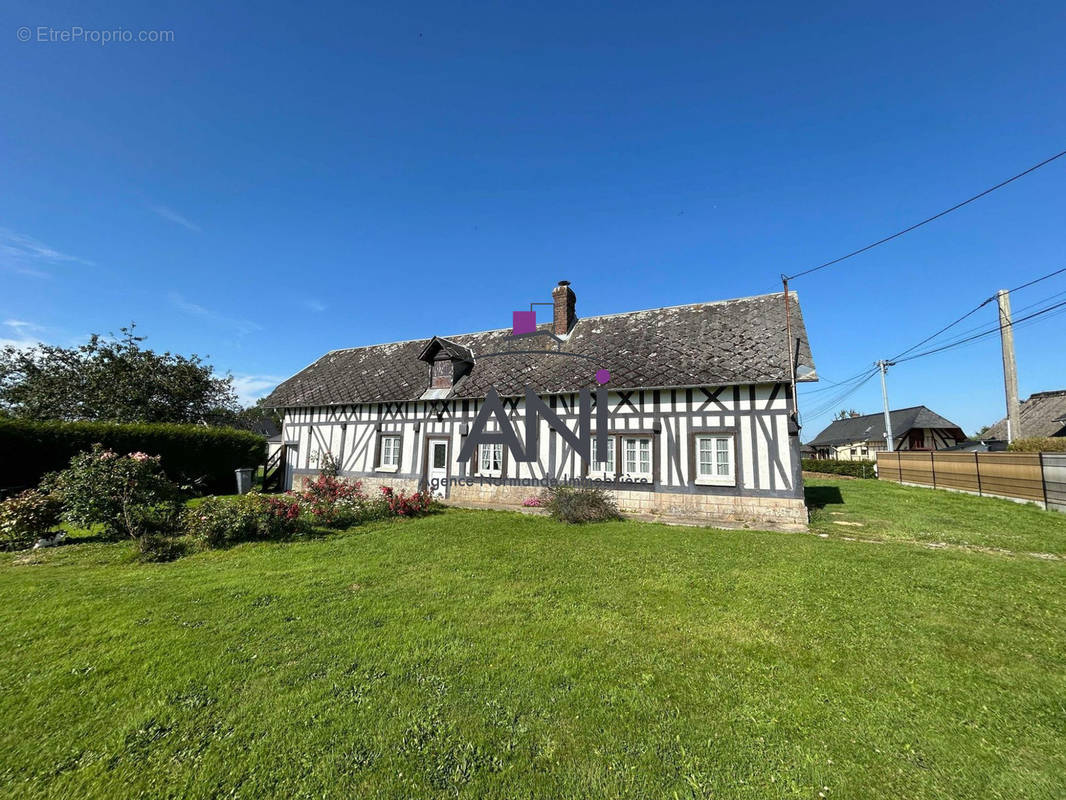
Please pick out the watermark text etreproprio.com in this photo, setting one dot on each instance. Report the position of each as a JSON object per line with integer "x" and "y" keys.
{"x": 76, "y": 34}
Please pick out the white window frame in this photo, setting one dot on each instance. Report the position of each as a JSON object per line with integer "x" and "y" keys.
{"x": 482, "y": 451}
{"x": 389, "y": 457}
{"x": 638, "y": 472}
{"x": 715, "y": 477}
{"x": 596, "y": 468}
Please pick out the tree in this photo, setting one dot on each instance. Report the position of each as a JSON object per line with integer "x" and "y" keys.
{"x": 256, "y": 418}
{"x": 112, "y": 380}
{"x": 847, "y": 414}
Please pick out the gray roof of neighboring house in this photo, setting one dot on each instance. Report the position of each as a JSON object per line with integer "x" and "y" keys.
{"x": 704, "y": 344}
{"x": 1042, "y": 414}
{"x": 871, "y": 427}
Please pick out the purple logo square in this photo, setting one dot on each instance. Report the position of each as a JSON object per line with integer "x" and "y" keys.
{"x": 524, "y": 322}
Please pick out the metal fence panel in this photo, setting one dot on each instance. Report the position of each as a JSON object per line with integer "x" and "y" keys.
{"x": 956, "y": 471}
{"x": 1038, "y": 477}
{"x": 1055, "y": 480}
{"x": 1011, "y": 475}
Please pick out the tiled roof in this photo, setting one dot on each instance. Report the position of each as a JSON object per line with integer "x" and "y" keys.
{"x": 871, "y": 427}
{"x": 1041, "y": 415}
{"x": 705, "y": 344}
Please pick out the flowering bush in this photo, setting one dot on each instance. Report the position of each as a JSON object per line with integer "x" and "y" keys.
{"x": 329, "y": 466}
{"x": 128, "y": 494}
{"x": 404, "y": 505}
{"x": 330, "y": 489}
{"x": 332, "y": 502}
{"x": 285, "y": 512}
{"x": 27, "y": 516}
{"x": 533, "y": 502}
{"x": 222, "y": 521}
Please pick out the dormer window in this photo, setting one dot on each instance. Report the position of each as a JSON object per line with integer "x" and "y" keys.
{"x": 442, "y": 375}
{"x": 448, "y": 362}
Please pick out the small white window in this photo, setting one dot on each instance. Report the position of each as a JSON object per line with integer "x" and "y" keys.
{"x": 636, "y": 457}
{"x": 490, "y": 459}
{"x": 602, "y": 464}
{"x": 714, "y": 460}
{"x": 390, "y": 453}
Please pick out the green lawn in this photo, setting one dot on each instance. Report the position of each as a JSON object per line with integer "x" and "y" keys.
{"x": 886, "y": 511}
{"x": 490, "y": 654}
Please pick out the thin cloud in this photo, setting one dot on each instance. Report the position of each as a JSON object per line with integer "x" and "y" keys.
{"x": 173, "y": 216}
{"x": 21, "y": 334}
{"x": 242, "y": 327}
{"x": 250, "y": 388}
{"x": 28, "y": 256}
{"x": 315, "y": 305}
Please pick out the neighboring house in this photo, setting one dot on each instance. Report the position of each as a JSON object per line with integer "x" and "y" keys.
{"x": 978, "y": 446}
{"x": 857, "y": 438}
{"x": 700, "y": 428}
{"x": 1043, "y": 414}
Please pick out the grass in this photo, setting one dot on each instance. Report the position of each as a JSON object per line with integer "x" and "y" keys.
{"x": 888, "y": 511}
{"x": 490, "y": 654}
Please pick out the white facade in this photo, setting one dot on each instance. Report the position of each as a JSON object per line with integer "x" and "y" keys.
{"x": 714, "y": 455}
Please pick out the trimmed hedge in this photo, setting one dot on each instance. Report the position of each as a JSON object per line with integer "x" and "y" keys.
{"x": 1039, "y": 444}
{"x": 190, "y": 454}
{"x": 856, "y": 469}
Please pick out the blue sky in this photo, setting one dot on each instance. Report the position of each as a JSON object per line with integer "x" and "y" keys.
{"x": 279, "y": 181}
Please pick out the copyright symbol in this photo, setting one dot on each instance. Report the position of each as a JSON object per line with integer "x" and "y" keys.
{"x": 23, "y": 34}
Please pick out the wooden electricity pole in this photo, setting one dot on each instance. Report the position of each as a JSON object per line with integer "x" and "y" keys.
{"x": 1010, "y": 367}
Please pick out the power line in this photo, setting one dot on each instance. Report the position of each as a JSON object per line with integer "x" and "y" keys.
{"x": 926, "y": 221}
{"x": 983, "y": 325}
{"x": 846, "y": 392}
{"x": 825, "y": 408}
{"x": 1042, "y": 278}
{"x": 981, "y": 305}
{"x": 857, "y": 381}
{"x": 830, "y": 386}
{"x": 989, "y": 332}
{"x": 973, "y": 310}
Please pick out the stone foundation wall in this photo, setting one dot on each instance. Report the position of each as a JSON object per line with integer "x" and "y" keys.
{"x": 371, "y": 484}
{"x": 777, "y": 513}
{"x": 773, "y": 513}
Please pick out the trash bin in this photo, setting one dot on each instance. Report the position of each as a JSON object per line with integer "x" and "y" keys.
{"x": 244, "y": 480}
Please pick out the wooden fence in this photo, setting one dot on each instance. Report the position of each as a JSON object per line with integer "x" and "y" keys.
{"x": 1034, "y": 477}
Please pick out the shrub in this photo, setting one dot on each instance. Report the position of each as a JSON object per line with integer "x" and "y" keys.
{"x": 856, "y": 469}
{"x": 222, "y": 521}
{"x": 1039, "y": 444}
{"x": 26, "y": 517}
{"x": 332, "y": 501}
{"x": 329, "y": 466}
{"x": 582, "y": 504}
{"x": 190, "y": 454}
{"x": 128, "y": 495}
{"x": 406, "y": 505}
{"x": 285, "y": 513}
{"x": 155, "y": 547}
{"x": 532, "y": 502}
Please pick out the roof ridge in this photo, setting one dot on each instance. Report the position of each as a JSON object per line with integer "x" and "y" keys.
{"x": 881, "y": 413}
{"x": 792, "y": 294}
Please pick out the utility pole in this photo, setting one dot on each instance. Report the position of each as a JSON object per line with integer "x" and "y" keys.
{"x": 1010, "y": 367}
{"x": 889, "y": 439}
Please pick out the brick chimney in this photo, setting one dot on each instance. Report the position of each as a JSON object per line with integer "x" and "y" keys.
{"x": 565, "y": 303}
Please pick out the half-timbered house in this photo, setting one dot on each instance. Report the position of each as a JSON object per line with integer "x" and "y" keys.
{"x": 700, "y": 425}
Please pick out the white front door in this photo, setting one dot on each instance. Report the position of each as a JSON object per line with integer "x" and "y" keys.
{"x": 438, "y": 467}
